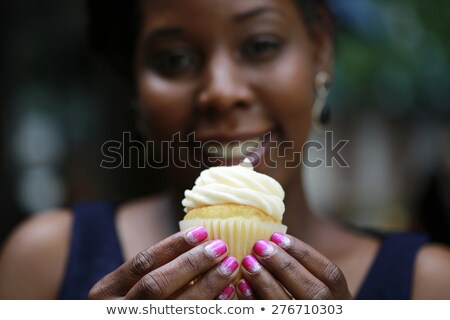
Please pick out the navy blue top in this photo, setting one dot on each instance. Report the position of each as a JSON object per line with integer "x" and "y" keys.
{"x": 95, "y": 251}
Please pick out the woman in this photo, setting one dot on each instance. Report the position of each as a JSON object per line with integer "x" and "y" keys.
{"x": 225, "y": 70}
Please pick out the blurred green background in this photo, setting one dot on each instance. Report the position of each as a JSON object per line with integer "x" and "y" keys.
{"x": 393, "y": 57}
{"x": 390, "y": 99}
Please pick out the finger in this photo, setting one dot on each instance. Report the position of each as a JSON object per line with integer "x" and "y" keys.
{"x": 245, "y": 291}
{"x": 292, "y": 275}
{"x": 316, "y": 263}
{"x": 213, "y": 282}
{"x": 171, "y": 277}
{"x": 119, "y": 282}
{"x": 263, "y": 283}
{"x": 228, "y": 293}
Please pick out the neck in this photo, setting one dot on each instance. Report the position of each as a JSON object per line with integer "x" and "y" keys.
{"x": 303, "y": 223}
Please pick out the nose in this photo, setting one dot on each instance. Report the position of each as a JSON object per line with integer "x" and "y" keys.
{"x": 224, "y": 86}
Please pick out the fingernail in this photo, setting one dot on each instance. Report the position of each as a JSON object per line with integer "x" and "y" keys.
{"x": 251, "y": 264}
{"x": 263, "y": 248}
{"x": 196, "y": 235}
{"x": 216, "y": 248}
{"x": 281, "y": 240}
{"x": 244, "y": 288}
{"x": 226, "y": 293}
{"x": 228, "y": 266}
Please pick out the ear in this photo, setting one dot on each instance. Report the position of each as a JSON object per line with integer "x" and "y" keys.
{"x": 323, "y": 38}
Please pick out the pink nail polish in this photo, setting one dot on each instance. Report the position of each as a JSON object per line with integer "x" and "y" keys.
{"x": 228, "y": 266}
{"x": 263, "y": 248}
{"x": 196, "y": 235}
{"x": 244, "y": 288}
{"x": 251, "y": 264}
{"x": 216, "y": 248}
{"x": 281, "y": 240}
{"x": 226, "y": 293}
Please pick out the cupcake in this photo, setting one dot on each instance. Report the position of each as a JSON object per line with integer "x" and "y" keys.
{"x": 235, "y": 204}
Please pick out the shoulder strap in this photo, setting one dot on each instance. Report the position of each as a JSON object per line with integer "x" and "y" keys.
{"x": 94, "y": 250}
{"x": 391, "y": 274}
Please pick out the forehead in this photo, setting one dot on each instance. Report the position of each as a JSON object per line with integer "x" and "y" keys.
{"x": 208, "y": 13}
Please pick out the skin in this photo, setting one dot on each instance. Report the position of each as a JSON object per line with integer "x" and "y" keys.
{"x": 242, "y": 76}
{"x": 229, "y": 91}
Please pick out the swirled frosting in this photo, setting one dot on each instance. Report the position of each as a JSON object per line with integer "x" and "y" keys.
{"x": 236, "y": 184}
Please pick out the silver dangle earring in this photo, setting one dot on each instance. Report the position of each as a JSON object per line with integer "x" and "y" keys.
{"x": 320, "y": 110}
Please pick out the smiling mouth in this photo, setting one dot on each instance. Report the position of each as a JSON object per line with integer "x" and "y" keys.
{"x": 234, "y": 152}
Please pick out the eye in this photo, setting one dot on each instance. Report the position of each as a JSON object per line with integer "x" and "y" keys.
{"x": 262, "y": 47}
{"x": 175, "y": 62}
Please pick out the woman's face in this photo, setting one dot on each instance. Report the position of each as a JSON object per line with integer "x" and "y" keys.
{"x": 229, "y": 70}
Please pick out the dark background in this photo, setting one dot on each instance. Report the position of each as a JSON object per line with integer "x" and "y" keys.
{"x": 390, "y": 99}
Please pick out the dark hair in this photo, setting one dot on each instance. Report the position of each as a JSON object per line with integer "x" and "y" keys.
{"x": 113, "y": 27}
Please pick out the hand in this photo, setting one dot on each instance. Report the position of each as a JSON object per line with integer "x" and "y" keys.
{"x": 180, "y": 267}
{"x": 287, "y": 268}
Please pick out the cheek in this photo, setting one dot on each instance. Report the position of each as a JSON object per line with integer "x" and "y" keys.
{"x": 290, "y": 95}
{"x": 165, "y": 104}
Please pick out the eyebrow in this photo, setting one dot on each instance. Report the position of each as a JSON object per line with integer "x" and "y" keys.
{"x": 165, "y": 32}
{"x": 256, "y": 12}
{"x": 176, "y": 31}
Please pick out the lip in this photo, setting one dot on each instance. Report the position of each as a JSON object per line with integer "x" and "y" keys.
{"x": 255, "y": 156}
{"x": 226, "y": 137}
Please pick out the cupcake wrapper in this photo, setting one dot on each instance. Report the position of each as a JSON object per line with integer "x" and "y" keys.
{"x": 239, "y": 234}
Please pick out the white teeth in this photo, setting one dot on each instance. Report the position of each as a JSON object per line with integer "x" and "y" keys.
{"x": 234, "y": 149}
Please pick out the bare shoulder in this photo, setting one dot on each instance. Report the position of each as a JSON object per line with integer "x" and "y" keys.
{"x": 432, "y": 273}
{"x": 33, "y": 259}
